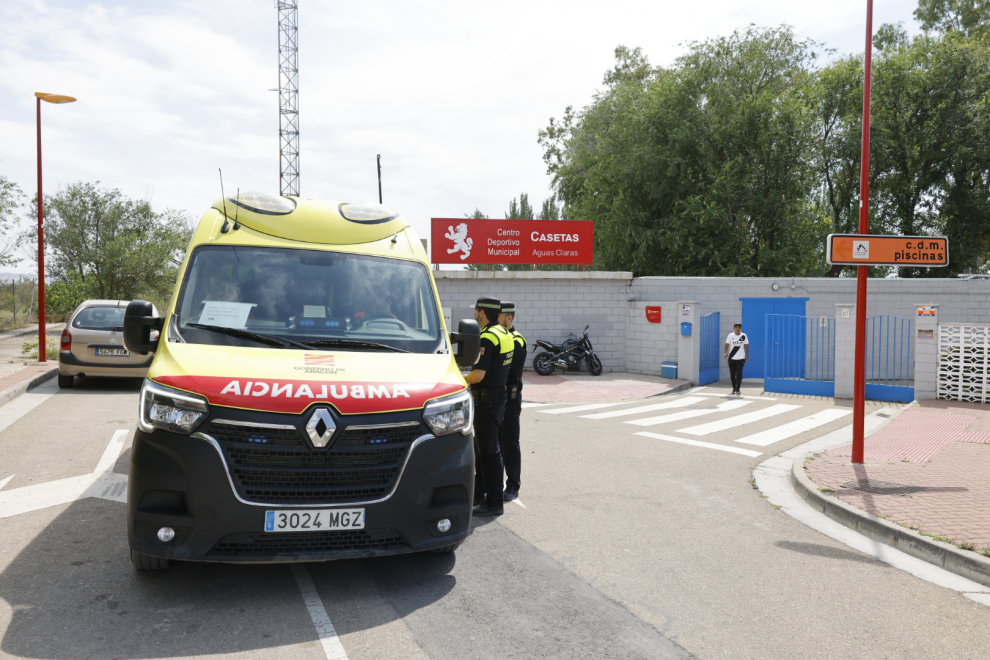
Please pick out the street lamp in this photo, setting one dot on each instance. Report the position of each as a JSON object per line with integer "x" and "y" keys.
{"x": 42, "y": 340}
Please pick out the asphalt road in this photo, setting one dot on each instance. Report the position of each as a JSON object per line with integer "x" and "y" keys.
{"x": 624, "y": 546}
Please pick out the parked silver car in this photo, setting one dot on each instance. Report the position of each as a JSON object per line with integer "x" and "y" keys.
{"x": 93, "y": 344}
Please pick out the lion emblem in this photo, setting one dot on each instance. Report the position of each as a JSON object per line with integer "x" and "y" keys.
{"x": 461, "y": 242}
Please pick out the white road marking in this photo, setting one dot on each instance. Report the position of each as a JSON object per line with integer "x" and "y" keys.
{"x": 764, "y": 438}
{"x": 519, "y": 502}
{"x": 773, "y": 477}
{"x": 332, "y": 647}
{"x": 102, "y": 483}
{"x": 677, "y": 403}
{"x": 687, "y": 414}
{"x": 4, "y": 482}
{"x": 26, "y": 402}
{"x": 587, "y": 406}
{"x": 532, "y": 404}
{"x": 739, "y": 420}
{"x": 112, "y": 452}
{"x": 699, "y": 443}
{"x": 736, "y": 396}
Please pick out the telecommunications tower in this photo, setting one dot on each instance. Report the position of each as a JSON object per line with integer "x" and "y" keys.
{"x": 288, "y": 96}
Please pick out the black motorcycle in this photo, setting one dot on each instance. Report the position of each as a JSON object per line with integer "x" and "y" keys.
{"x": 570, "y": 355}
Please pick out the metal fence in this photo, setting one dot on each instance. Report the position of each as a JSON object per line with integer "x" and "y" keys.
{"x": 889, "y": 359}
{"x": 710, "y": 345}
{"x": 800, "y": 355}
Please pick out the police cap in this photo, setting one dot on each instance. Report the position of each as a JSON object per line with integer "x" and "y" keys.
{"x": 508, "y": 307}
{"x": 491, "y": 306}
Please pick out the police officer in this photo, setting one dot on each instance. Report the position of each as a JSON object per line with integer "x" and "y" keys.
{"x": 508, "y": 436}
{"x": 487, "y": 381}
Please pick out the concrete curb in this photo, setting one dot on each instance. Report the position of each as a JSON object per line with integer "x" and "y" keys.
{"x": 961, "y": 562}
{"x": 12, "y": 393}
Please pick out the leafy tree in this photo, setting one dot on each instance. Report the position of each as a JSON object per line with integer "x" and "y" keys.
{"x": 116, "y": 247}
{"x": 700, "y": 169}
{"x": 66, "y": 293}
{"x": 11, "y": 198}
{"x": 970, "y": 17}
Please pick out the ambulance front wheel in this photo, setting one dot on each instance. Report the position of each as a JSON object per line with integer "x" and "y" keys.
{"x": 143, "y": 562}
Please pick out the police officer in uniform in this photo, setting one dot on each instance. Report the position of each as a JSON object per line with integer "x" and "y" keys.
{"x": 508, "y": 436}
{"x": 487, "y": 381}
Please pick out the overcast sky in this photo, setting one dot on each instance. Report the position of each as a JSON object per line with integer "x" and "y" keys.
{"x": 452, "y": 94}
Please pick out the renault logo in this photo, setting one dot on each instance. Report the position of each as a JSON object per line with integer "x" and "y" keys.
{"x": 320, "y": 427}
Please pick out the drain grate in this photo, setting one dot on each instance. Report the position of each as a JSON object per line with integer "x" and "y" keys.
{"x": 883, "y": 487}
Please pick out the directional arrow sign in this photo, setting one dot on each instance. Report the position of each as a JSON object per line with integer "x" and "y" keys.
{"x": 875, "y": 250}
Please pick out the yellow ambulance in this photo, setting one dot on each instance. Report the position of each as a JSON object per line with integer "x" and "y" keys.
{"x": 304, "y": 402}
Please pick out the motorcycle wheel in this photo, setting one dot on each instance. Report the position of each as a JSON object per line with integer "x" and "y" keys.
{"x": 544, "y": 364}
{"x": 595, "y": 365}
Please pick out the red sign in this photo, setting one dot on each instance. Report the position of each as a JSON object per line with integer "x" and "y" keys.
{"x": 469, "y": 241}
{"x": 654, "y": 314}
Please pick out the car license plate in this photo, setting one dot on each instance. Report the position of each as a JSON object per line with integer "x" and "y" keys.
{"x": 118, "y": 352}
{"x": 313, "y": 520}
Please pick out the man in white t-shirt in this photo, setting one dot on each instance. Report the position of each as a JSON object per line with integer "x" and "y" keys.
{"x": 737, "y": 353}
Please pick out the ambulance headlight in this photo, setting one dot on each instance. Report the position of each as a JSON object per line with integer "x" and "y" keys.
{"x": 170, "y": 409}
{"x": 450, "y": 414}
{"x": 366, "y": 214}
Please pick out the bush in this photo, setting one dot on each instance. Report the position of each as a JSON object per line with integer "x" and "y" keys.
{"x": 30, "y": 348}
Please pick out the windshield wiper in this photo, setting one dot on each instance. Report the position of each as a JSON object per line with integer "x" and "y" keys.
{"x": 352, "y": 343}
{"x": 271, "y": 340}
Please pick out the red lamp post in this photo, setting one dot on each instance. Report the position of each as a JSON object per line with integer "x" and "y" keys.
{"x": 42, "y": 317}
{"x": 859, "y": 372}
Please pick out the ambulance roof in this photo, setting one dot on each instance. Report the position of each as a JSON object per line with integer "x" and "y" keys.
{"x": 312, "y": 220}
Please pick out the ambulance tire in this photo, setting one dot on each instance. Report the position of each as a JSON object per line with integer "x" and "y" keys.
{"x": 143, "y": 562}
{"x": 65, "y": 382}
{"x": 445, "y": 550}
{"x": 544, "y": 364}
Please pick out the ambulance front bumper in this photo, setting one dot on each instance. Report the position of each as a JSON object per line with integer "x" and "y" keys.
{"x": 215, "y": 497}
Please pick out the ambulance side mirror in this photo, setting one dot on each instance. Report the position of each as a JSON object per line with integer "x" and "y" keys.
{"x": 467, "y": 342}
{"x": 139, "y": 321}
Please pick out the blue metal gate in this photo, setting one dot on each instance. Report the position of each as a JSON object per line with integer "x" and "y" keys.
{"x": 889, "y": 360}
{"x": 799, "y": 355}
{"x": 708, "y": 369}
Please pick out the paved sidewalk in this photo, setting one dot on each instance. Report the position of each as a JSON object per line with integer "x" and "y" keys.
{"x": 580, "y": 388}
{"x": 929, "y": 469}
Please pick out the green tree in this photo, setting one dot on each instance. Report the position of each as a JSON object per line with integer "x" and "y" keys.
{"x": 117, "y": 247}
{"x": 970, "y": 17}
{"x": 11, "y": 199}
{"x": 700, "y": 169}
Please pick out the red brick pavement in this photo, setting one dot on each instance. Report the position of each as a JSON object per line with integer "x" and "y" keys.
{"x": 928, "y": 469}
{"x": 580, "y": 389}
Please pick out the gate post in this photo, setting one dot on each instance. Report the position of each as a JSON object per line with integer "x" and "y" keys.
{"x": 926, "y": 352}
{"x": 845, "y": 350}
{"x": 688, "y": 346}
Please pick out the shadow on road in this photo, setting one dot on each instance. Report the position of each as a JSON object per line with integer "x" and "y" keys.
{"x": 73, "y": 594}
{"x": 826, "y": 551}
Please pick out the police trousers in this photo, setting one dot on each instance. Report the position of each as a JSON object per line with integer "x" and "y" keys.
{"x": 489, "y": 411}
{"x": 508, "y": 439}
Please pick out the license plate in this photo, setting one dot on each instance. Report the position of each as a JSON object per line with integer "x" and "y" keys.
{"x": 117, "y": 352}
{"x": 313, "y": 520}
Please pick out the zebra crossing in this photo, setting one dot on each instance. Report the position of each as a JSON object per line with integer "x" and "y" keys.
{"x": 746, "y": 419}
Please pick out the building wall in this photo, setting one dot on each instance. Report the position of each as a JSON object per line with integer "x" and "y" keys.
{"x": 649, "y": 344}
{"x": 551, "y": 304}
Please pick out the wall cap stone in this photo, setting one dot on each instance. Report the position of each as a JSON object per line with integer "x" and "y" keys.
{"x": 531, "y": 275}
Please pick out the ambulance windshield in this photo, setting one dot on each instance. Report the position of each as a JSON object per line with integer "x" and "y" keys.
{"x": 348, "y": 301}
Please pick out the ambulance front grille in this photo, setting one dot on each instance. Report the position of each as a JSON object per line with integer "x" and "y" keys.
{"x": 282, "y": 468}
{"x": 308, "y": 543}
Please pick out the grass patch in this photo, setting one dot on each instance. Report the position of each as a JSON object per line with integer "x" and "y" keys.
{"x": 825, "y": 490}
{"x": 943, "y": 539}
{"x": 966, "y": 545}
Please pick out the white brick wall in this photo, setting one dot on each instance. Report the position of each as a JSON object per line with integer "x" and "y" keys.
{"x": 551, "y": 304}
